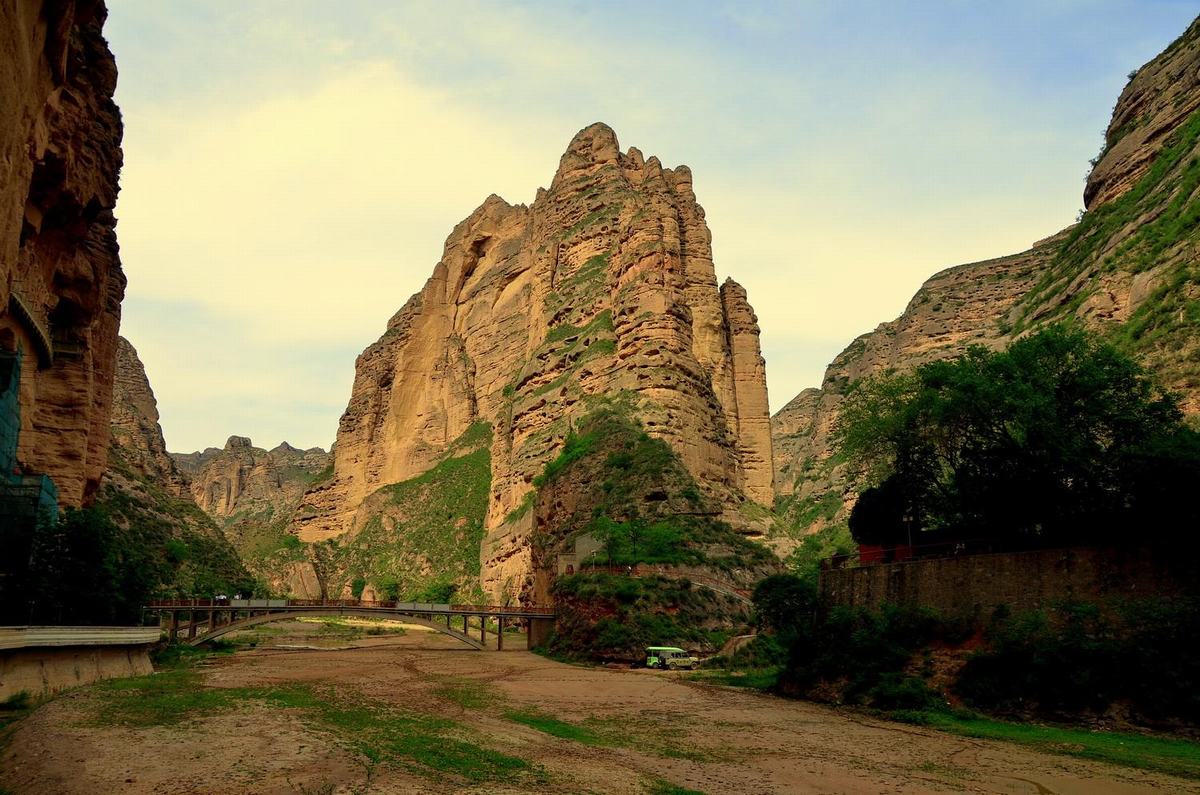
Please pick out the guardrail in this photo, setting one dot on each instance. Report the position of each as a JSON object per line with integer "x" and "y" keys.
{"x": 30, "y": 637}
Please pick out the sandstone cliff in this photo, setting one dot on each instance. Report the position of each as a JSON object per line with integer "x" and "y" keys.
{"x": 183, "y": 550}
{"x": 135, "y": 427}
{"x": 1129, "y": 269}
{"x": 251, "y": 493}
{"x": 605, "y": 284}
{"x": 61, "y": 283}
{"x": 242, "y": 478}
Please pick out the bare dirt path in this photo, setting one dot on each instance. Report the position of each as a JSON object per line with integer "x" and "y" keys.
{"x": 642, "y": 731}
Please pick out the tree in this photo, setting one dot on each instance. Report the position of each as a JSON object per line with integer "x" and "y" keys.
{"x": 1059, "y": 439}
{"x": 784, "y": 602}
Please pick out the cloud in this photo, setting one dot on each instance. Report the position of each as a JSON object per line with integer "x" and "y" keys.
{"x": 293, "y": 167}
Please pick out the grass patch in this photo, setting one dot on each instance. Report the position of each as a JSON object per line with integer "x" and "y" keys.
{"x": 426, "y": 531}
{"x": 179, "y": 655}
{"x": 468, "y": 693}
{"x": 12, "y": 709}
{"x": 660, "y": 786}
{"x": 548, "y": 724}
{"x": 162, "y": 699}
{"x": 1147, "y": 752}
{"x": 751, "y": 679}
{"x": 425, "y": 744}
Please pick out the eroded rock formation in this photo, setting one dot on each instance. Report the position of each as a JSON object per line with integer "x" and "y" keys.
{"x": 61, "y": 283}
{"x": 135, "y": 426}
{"x": 242, "y": 478}
{"x": 147, "y": 496}
{"x": 1130, "y": 269}
{"x": 604, "y": 284}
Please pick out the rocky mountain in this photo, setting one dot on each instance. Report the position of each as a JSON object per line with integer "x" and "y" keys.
{"x": 242, "y": 478}
{"x": 604, "y": 285}
{"x": 1130, "y": 269}
{"x": 61, "y": 282}
{"x": 251, "y": 493}
{"x": 148, "y": 497}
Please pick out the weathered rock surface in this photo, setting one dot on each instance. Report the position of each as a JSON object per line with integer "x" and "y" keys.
{"x": 135, "y": 426}
{"x": 147, "y": 496}
{"x": 244, "y": 478}
{"x": 1129, "y": 269}
{"x": 61, "y": 283}
{"x": 1157, "y": 100}
{"x": 604, "y": 284}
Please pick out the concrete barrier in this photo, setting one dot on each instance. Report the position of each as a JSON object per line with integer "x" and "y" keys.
{"x": 41, "y": 660}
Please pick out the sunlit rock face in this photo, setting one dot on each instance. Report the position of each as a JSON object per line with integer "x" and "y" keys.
{"x": 242, "y": 478}
{"x": 61, "y": 283}
{"x": 605, "y": 284}
{"x": 1129, "y": 270}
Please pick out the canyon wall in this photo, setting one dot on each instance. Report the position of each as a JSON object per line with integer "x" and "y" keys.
{"x": 604, "y": 285}
{"x": 61, "y": 283}
{"x": 183, "y": 550}
{"x": 1130, "y": 270}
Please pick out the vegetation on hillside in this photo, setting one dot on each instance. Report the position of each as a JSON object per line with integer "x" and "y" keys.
{"x": 632, "y": 496}
{"x": 1149, "y": 227}
{"x": 1060, "y": 439}
{"x": 422, "y": 541}
{"x": 85, "y": 568}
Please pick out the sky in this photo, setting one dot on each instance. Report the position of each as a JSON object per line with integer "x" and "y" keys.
{"x": 292, "y": 168}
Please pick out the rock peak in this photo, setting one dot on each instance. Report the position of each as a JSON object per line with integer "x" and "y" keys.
{"x": 235, "y": 442}
{"x": 593, "y": 146}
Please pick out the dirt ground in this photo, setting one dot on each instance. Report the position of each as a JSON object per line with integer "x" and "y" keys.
{"x": 669, "y": 732}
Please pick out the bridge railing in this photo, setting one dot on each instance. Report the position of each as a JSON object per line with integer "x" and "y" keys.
{"x": 279, "y": 604}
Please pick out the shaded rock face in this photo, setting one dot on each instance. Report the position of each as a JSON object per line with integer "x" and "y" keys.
{"x": 604, "y": 284}
{"x": 242, "y": 478}
{"x": 135, "y": 426}
{"x": 61, "y": 282}
{"x": 1129, "y": 270}
{"x": 147, "y": 495}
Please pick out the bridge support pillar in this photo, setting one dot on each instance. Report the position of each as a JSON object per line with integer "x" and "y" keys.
{"x": 173, "y": 626}
{"x": 500, "y": 635}
{"x": 483, "y": 630}
{"x": 191, "y": 624}
{"x": 539, "y": 631}
{"x": 212, "y": 620}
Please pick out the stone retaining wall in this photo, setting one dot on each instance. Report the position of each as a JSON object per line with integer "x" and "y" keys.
{"x": 40, "y": 660}
{"x": 973, "y": 585}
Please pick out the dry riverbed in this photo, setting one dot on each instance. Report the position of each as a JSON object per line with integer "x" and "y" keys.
{"x": 415, "y": 711}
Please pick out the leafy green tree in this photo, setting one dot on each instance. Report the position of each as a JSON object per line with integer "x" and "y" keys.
{"x": 1059, "y": 439}
{"x": 783, "y": 603}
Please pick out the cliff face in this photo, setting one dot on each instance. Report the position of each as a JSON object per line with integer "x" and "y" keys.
{"x": 605, "y": 284}
{"x": 242, "y": 478}
{"x": 61, "y": 283}
{"x": 251, "y": 493}
{"x": 147, "y": 496}
{"x": 135, "y": 426}
{"x": 1130, "y": 269}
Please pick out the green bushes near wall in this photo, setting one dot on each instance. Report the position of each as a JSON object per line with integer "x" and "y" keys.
{"x": 1133, "y": 659}
{"x": 1078, "y": 659}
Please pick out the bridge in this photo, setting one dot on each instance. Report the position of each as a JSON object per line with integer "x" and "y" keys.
{"x": 208, "y": 619}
